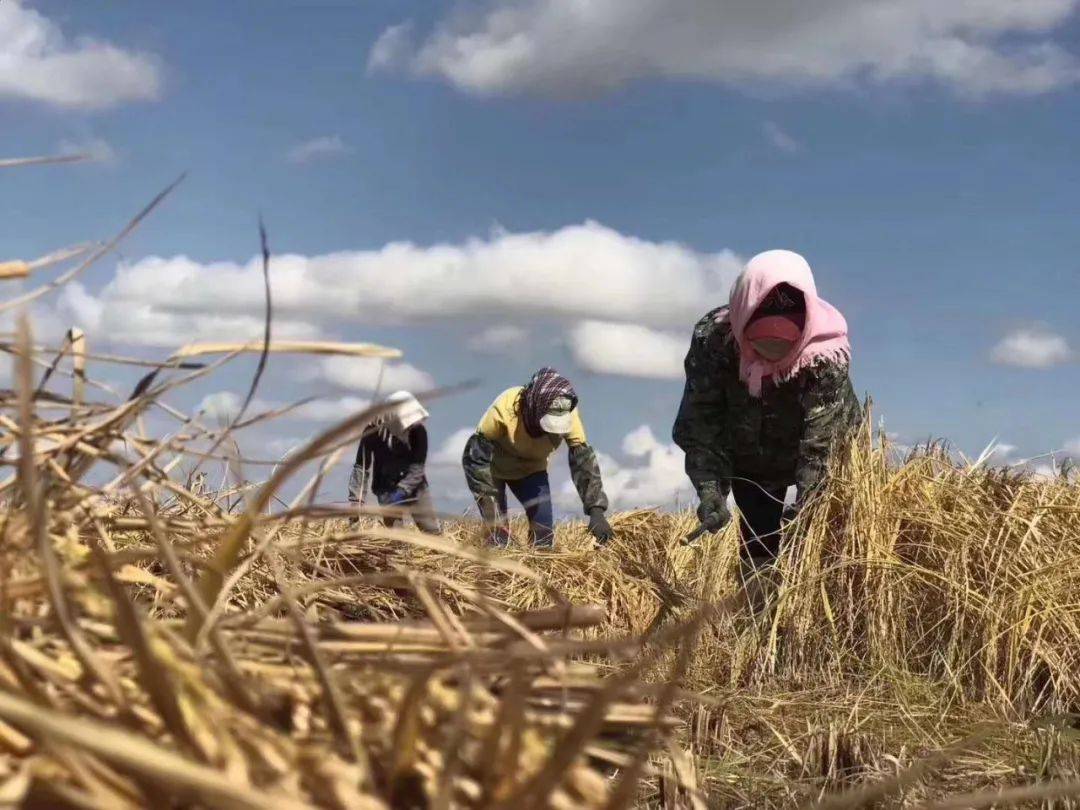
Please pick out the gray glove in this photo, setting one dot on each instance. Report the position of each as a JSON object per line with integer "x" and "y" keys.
{"x": 599, "y": 526}
{"x": 713, "y": 511}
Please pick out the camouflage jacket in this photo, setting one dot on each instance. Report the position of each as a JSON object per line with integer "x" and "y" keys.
{"x": 783, "y": 438}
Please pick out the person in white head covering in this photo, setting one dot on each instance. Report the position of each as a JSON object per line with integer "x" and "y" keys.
{"x": 391, "y": 458}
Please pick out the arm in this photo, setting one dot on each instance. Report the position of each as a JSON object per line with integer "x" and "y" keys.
{"x": 585, "y": 468}
{"x": 585, "y": 472}
{"x": 414, "y": 476}
{"x": 700, "y": 426}
{"x": 831, "y": 413}
{"x": 479, "y": 454}
{"x": 360, "y": 476}
{"x": 476, "y": 461}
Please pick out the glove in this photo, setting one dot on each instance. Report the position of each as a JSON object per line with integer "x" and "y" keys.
{"x": 395, "y": 498}
{"x": 713, "y": 511}
{"x": 599, "y": 526}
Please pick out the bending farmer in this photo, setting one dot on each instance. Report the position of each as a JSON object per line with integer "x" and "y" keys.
{"x": 511, "y": 448}
{"x": 767, "y": 397}
{"x": 391, "y": 460}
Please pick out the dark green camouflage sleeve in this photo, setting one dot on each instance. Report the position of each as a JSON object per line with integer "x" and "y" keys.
{"x": 585, "y": 472}
{"x": 831, "y": 413}
{"x": 700, "y": 426}
{"x": 476, "y": 461}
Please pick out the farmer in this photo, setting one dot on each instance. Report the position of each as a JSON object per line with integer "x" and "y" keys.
{"x": 391, "y": 460}
{"x": 511, "y": 448}
{"x": 767, "y": 396}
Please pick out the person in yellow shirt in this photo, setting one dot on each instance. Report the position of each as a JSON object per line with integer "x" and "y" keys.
{"x": 511, "y": 447}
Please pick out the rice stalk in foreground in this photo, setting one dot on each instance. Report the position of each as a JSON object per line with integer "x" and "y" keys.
{"x": 99, "y": 579}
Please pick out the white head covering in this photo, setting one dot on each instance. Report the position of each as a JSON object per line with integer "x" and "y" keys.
{"x": 406, "y": 413}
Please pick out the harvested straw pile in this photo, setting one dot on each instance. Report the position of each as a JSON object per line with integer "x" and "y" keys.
{"x": 922, "y": 603}
{"x": 160, "y": 649}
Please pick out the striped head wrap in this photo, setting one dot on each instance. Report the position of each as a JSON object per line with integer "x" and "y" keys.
{"x": 543, "y": 389}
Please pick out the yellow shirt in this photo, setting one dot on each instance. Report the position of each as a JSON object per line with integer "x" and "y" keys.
{"x": 517, "y": 454}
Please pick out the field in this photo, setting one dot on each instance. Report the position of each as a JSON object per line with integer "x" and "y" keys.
{"x": 166, "y": 645}
{"x": 923, "y": 638}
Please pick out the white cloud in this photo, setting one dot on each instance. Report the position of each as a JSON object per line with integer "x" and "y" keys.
{"x": 503, "y": 339}
{"x": 329, "y": 410}
{"x": 628, "y": 350}
{"x": 451, "y": 449}
{"x": 122, "y": 314}
{"x": 391, "y": 49}
{"x": 38, "y": 62}
{"x": 1004, "y": 454}
{"x": 365, "y": 374}
{"x": 654, "y": 476}
{"x": 1032, "y": 348}
{"x": 322, "y": 148}
{"x": 780, "y": 139}
{"x": 84, "y": 309}
{"x": 96, "y": 150}
{"x": 577, "y": 272}
{"x": 1072, "y": 448}
{"x": 225, "y": 405}
{"x": 222, "y": 406}
{"x": 568, "y": 47}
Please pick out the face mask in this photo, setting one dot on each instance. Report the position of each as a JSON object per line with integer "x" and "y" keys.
{"x": 559, "y": 418}
{"x": 773, "y": 349}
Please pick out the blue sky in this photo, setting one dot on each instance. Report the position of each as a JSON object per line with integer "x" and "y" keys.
{"x": 923, "y": 159}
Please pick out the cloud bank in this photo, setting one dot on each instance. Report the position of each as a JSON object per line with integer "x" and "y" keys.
{"x": 567, "y": 47}
{"x": 579, "y": 272}
{"x": 38, "y": 62}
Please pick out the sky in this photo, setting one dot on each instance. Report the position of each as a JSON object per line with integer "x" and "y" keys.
{"x": 493, "y": 187}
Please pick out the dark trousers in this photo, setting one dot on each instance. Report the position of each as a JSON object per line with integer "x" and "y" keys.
{"x": 534, "y": 493}
{"x": 762, "y": 510}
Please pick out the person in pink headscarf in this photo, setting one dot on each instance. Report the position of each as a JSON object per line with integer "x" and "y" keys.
{"x": 767, "y": 397}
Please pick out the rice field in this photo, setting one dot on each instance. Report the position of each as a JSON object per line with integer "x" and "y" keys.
{"x": 162, "y": 644}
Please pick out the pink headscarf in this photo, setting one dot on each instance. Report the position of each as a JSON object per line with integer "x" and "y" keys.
{"x": 824, "y": 337}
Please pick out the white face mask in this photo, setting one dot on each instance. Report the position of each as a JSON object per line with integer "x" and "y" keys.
{"x": 773, "y": 349}
{"x": 559, "y": 418}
